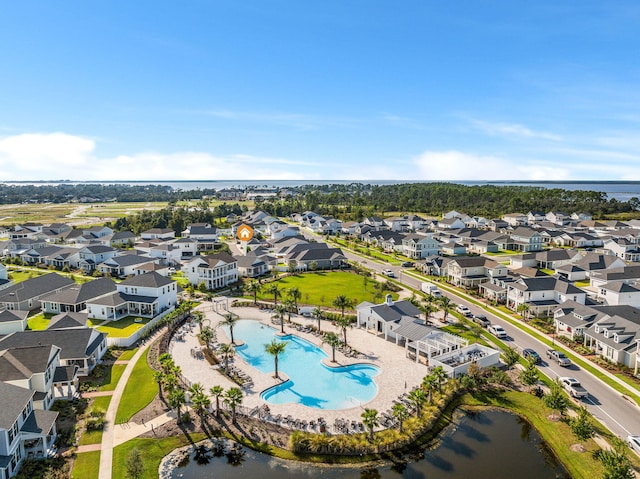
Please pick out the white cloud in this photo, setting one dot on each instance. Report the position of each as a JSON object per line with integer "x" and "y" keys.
{"x": 457, "y": 165}
{"x": 53, "y": 156}
{"x": 27, "y": 155}
{"x": 513, "y": 130}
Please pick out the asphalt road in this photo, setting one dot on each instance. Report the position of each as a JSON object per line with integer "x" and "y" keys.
{"x": 618, "y": 414}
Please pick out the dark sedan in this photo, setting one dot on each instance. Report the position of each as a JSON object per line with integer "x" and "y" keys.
{"x": 531, "y": 355}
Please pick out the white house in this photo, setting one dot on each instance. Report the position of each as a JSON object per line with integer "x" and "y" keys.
{"x": 144, "y": 295}
{"x": 215, "y": 271}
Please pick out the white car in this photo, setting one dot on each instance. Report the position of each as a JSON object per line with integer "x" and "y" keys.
{"x": 573, "y": 387}
{"x": 463, "y": 310}
{"x": 497, "y": 330}
{"x": 634, "y": 443}
{"x": 388, "y": 273}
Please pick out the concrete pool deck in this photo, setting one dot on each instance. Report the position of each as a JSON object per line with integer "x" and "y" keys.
{"x": 398, "y": 374}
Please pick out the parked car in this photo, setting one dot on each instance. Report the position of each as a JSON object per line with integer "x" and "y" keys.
{"x": 497, "y": 330}
{"x": 559, "y": 357}
{"x": 463, "y": 310}
{"x": 530, "y": 355}
{"x": 388, "y": 273}
{"x": 573, "y": 387}
{"x": 407, "y": 264}
{"x": 431, "y": 289}
{"x": 634, "y": 443}
{"x": 481, "y": 320}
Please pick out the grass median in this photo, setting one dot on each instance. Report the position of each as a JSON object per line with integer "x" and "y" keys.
{"x": 139, "y": 391}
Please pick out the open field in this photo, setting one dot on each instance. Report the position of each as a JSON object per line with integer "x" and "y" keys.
{"x": 321, "y": 288}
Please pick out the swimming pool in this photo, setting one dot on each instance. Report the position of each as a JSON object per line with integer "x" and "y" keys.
{"x": 311, "y": 383}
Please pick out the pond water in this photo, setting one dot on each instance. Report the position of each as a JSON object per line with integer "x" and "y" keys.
{"x": 485, "y": 445}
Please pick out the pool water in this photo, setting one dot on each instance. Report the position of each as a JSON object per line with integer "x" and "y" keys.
{"x": 311, "y": 383}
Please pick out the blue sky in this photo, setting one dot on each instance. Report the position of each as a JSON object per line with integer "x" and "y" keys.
{"x": 331, "y": 89}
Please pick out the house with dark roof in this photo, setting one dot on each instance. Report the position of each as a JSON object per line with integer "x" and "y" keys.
{"x": 13, "y": 321}
{"x": 251, "y": 266}
{"x": 81, "y": 347}
{"x": 215, "y": 271}
{"x": 470, "y": 271}
{"x": 26, "y": 295}
{"x": 205, "y": 236}
{"x": 542, "y": 295}
{"x": 312, "y": 256}
{"x": 120, "y": 239}
{"x": 144, "y": 295}
{"x": 616, "y": 336}
{"x": 24, "y": 431}
{"x": 74, "y": 298}
{"x": 124, "y": 264}
{"x": 68, "y": 320}
{"x": 419, "y": 246}
{"x": 623, "y": 248}
{"x": 158, "y": 233}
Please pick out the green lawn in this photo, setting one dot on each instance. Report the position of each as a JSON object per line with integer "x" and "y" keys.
{"x": 38, "y": 321}
{"x": 123, "y": 328}
{"x": 20, "y": 276}
{"x": 152, "y": 452}
{"x": 100, "y": 403}
{"x": 128, "y": 354}
{"x": 322, "y": 288}
{"x": 139, "y": 391}
{"x": 90, "y": 437}
{"x": 112, "y": 378}
{"x": 87, "y": 466}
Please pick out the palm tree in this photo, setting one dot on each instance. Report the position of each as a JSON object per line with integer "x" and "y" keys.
{"x": 158, "y": 377}
{"x": 230, "y": 320}
{"x": 216, "y": 392}
{"x": 275, "y": 349}
{"x": 289, "y": 305}
{"x": 440, "y": 376}
{"x": 428, "y": 309}
{"x": 253, "y": 287}
{"x": 166, "y": 362}
{"x": 371, "y": 420}
{"x": 278, "y": 313}
{"x": 333, "y": 341}
{"x": 198, "y": 318}
{"x": 523, "y": 309}
{"x": 200, "y": 403}
{"x": 227, "y": 351}
{"x": 344, "y": 323}
{"x": 446, "y": 305}
{"x": 176, "y": 400}
{"x": 233, "y": 398}
{"x": 318, "y": 314}
{"x": 275, "y": 291}
{"x": 429, "y": 384}
{"x": 416, "y": 398}
{"x": 206, "y": 335}
{"x": 342, "y": 302}
{"x": 196, "y": 388}
{"x": 170, "y": 382}
{"x": 295, "y": 294}
{"x": 400, "y": 412}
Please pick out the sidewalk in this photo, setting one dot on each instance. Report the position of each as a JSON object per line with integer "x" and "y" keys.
{"x": 109, "y": 433}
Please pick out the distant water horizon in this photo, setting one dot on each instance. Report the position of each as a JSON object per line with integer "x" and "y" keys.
{"x": 619, "y": 190}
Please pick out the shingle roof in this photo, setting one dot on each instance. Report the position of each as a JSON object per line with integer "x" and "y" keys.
{"x": 395, "y": 311}
{"x": 74, "y": 343}
{"x": 68, "y": 320}
{"x": 81, "y": 293}
{"x": 13, "y": 399}
{"x": 24, "y": 362}
{"x": 39, "y": 421}
{"x": 7, "y": 316}
{"x": 34, "y": 287}
{"x": 147, "y": 280}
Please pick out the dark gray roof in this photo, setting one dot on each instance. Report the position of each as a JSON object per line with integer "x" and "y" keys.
{"x": 201, "y": 230}
{"x": 396, "y": 311}
{"x": 39, "y": 422}
{"x": 7, "y": 316}
{"x": 413, "y": 329}
{"x": 13, "y": 399}
{"x": 68, "y": 320}
{"x": 23, "y": 362}
{"x": 34, "y": 287}
{"x": 74, "y": 342}
{"x": 81, "y": 293}
{"x": 127, "y": 260}
{"x": 147, "y": 280}
{"x": 64, "y": 374}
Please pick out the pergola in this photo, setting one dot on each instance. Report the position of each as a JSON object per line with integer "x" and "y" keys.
{"x": 435, "y": 344}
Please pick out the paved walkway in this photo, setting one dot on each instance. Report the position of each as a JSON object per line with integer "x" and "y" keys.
{"x": 109, "y": 434}
{"x": 397, "y": 373}
{"x": 95, "y": 394}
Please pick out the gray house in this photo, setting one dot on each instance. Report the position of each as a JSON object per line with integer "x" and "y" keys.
{"x": 26, "y": 295}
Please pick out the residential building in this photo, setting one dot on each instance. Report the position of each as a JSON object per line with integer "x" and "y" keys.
{"x": 215, "y": 271}
{"x": 542, "y": 295}
{"x": 26, "y": 295}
